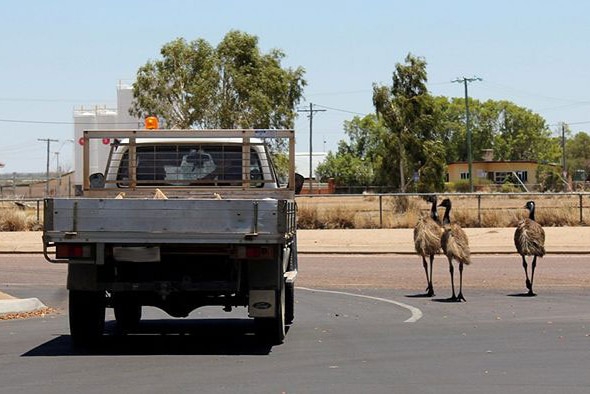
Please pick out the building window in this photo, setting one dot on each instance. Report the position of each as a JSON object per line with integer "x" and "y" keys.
{"x": 523, "y": 176}
{"x": 464, "y": 175}
{"x": 500, "y": 177}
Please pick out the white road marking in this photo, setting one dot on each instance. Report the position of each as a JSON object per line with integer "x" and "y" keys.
{"x": 416, "y": 313}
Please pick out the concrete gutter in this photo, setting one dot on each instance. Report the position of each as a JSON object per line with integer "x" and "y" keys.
{"x": 9, "y": 304}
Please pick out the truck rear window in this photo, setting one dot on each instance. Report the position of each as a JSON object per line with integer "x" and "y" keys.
{"x": 204, "y": 164}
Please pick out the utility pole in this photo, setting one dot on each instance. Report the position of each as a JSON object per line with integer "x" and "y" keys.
{"x": 57, "y": 163}
{"x": 49, "y": 141}
{"x": 311, "y": 112}
{"x": 563, "y": 162}
{"x": 465, "y": 81}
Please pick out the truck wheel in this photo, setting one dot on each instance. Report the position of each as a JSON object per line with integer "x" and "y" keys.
{"x": 273, "y": 329}
{"x": 127, "y": 315}
{"x": 289, "y": 303}
{"x": 87, "y": 315}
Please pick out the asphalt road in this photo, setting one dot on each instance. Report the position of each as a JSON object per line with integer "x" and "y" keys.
{"x": 352, "y": 336}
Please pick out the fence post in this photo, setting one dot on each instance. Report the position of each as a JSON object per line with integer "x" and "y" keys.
{"x": 479, "y": 210}
{"x": 380, "y": 211}
{"x": 581, "y": 209}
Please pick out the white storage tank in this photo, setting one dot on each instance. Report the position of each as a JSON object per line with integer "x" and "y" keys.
{"x": 90, "y": 119}
{"x": 100, "y": 117}
{"x": 124, "y": 100}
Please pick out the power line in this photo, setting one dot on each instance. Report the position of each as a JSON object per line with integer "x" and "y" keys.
{"x": 43, "y": 100}
{"x": 341, "y": 110}
{"x": 532, "y": 94}
{"x": 569, "y": 123}
{"x": 339, "y": 93}
{"x": 60, "y": 122}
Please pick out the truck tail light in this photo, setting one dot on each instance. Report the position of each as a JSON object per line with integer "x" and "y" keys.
{"x": 73, "y": 251}
{"x": 254, "y": 252}
{"x": 258, "y": 252}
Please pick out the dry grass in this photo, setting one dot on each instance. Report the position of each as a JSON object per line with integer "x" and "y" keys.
{"x": 18, "y": 220}
{"x": 385, "y": 211}
{"x": 310, "y": 217}
{"x": 493, "y": 210}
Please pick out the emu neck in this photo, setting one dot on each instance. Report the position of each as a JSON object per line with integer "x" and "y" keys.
{"x": 434, "y": 212}
{"x": 447, "y": 216}
{"x": 532, "y": 213}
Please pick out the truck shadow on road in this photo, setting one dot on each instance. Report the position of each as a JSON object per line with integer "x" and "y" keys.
{"x": 166, "y": 337}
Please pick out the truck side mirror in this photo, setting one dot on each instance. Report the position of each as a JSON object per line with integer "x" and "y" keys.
{"x": 96, "y": 180}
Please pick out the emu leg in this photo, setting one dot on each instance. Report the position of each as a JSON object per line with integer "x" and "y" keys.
{"x": 533, "y": 265}
{"x": 524, "y": 265}
{"x": 425, "y": 265}
{"x": 460, "y": 296}
{"x": 452, "y": 271}
{"x": 430, "y": 286}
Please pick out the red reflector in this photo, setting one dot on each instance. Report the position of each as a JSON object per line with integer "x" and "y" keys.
{"x": 253, "y": 251}
{"x": 69, "y": 251}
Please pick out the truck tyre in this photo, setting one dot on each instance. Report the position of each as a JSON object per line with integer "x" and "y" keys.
{"x": 87, "y": 315}
{"x": 127, "y": 315}
{"x": 272, "y": 330}
{"x": 289, "y": 303}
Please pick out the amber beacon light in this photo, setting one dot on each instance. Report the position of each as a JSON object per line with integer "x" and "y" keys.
{"x": 151, "y": 123}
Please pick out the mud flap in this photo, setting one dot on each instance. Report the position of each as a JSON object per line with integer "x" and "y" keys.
{"x": 262, "y": 303}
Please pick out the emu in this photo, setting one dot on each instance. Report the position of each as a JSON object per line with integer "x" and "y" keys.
{"x": 427, "y": 236}
{"x": 529, "y": 239}
{"x": 455, "y": 246}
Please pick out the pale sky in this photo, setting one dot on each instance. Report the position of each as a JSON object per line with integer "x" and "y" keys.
{"x": 58, "y": 55}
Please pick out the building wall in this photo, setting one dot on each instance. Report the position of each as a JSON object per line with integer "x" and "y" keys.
{"x": 483, "y": 169}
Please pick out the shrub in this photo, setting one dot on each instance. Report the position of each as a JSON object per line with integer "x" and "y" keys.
{"x": 340, "y": 218}
{"x": 13, "y": 220}
{"x": 509, "y": 188}
{"x": 462, "y": 186}
{"x": 308, "y": 217}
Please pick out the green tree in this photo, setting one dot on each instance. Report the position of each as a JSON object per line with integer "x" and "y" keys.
{"x": 512, "y": 132}
{"x": 430, "y": 178}
{"x": 523, "y": 135}
{"x": 354, "y": 162}
{"x": 407, "y": 110}
{"x": 577, "y": 150}
{"x": 234, "y": 85}
{"x": 346, "y": 169}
